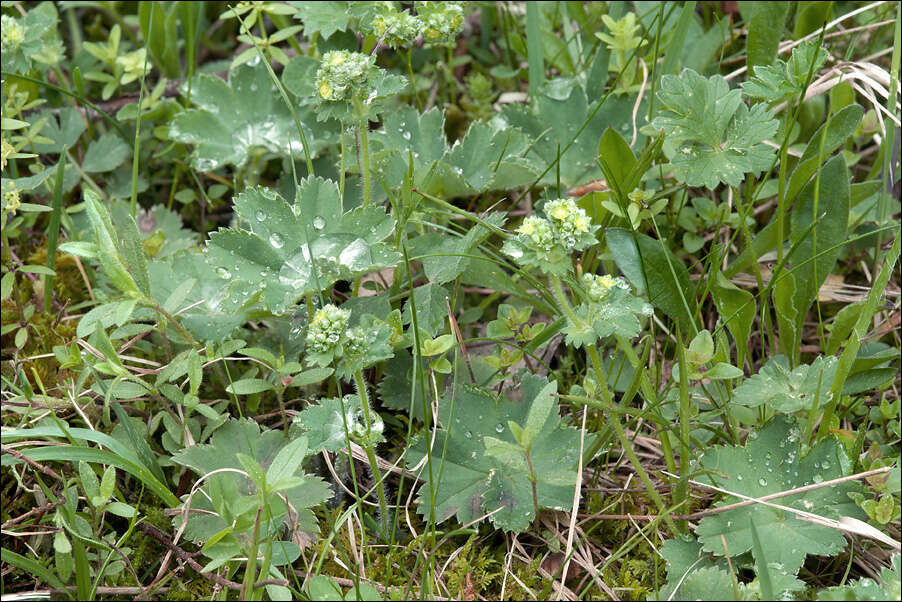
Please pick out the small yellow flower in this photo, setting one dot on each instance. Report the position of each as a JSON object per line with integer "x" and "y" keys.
{"x": 560, "y": 211}
{"x": 11, "y": 199}
{"x": 527, "y": 228}
{"x": 325, "y": 90}
{"x": 7, "y": 151}
{"x": 580, "y": 223}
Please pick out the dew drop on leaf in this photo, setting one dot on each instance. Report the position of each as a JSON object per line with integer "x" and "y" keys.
{"x": 223, "y": 273}
{"x": 739, "y": 477}
{"x": 499, "y": 428}
{"x": 468, "y": 434}
{"x": 260, "y": 215}
{"x": 276, "y": 240}
{"x": 762, "y": 481}
{"x": 319, "y": 223}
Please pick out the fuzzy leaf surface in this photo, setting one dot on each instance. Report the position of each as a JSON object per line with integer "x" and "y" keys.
{"x": 470, "y": 481}
{"x": 233, "y": 494}
{"x": 717, "y": 138}
{"x": 233, "y": 117}
{"x": 288, "y": 250}
{"x": 788, "y": 390}
{"x": 770, "y": 463}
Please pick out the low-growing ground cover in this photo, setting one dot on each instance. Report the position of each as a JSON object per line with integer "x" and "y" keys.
{"x": 468, "y": 300}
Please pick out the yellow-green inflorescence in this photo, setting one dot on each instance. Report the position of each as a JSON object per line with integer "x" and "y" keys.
{"x": 548, "y": 242}
{"x": 343, "y": 73}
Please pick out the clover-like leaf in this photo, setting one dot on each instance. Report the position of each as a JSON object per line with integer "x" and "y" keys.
{"x": 771, "y": 463}
{"x": 786, "y": 390}
{"x": 486, "y": 158}
{"x": 286, "y": 251}
{"x": 785, "y": 79}
{"x": 230, "y": 495}
{"x": 324, "y": 18}
{"x": 480, "y": 472}
{"x": 717, "y": 138}
{"x": 234, "y": 117}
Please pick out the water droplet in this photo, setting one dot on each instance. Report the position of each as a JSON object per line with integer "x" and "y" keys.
{"x": 762, "y": 481}
{"x": 406, "y": 135}
{"x": 223, "y": 273}
{"x": 276, "y": 240}
{"x": 260, "y": 215}
{"x": 499, "y": 428}
{"x": 739, "y": 477}
{"x": 468, "y": 435}
{"x": 319, "y": 222}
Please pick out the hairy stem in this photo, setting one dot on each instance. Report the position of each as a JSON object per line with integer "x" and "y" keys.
{"x": 360, "y": 383}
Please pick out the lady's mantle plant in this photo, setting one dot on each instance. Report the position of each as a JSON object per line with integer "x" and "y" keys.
{"x": 351, "y": 350}
{"x": 605, "y": 308}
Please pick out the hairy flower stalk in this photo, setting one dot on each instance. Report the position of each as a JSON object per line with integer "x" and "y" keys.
{"x": 548, "y": 243}
{"x": 351, "y": 350}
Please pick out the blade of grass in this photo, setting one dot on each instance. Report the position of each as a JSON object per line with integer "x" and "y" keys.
{"x": 53, "y": 229}
{"x": 534, "y": 50}
{"x": 860, "y": 329}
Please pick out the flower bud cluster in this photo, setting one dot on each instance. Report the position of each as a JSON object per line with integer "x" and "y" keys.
{"x": 441, "y": 22}
{"x": 13, "y": 33}
{"x": 570, "y": 223}
{"x": 342, "y": 73}
{"x": 326, "y": 329}
{"x": 547, "y": 242}
{"x": 598, "y": 288}
{"x": 538, "y": 232}
{"x": 395, "y": 28}
{"x": 438, "y": 22}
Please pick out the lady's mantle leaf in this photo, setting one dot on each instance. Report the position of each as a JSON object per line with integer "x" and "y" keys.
{"x": 717, "y": 138}
{"x": 479, "y": 473}
{"x": 768, "y": 464}
{"x": 231, "y": 495}
{"x": 785, "y": 79}
{"x": 232, "y": 117}
{"x": 286, "y": 251}
{"x": 559, "y": 117}
{"x": 788, "y": 390}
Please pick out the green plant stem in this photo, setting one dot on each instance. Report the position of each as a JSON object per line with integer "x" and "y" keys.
{"x": 608, "y": 399}
{"x": 53, "y": 230}
{"x": 360, "y": 383}
{"x": 365, "y": 161}
{"x": 681, "y": 492}
{"x": 625, "y": 442}
{"x": 250, "y": 574}
{"x": 781, "y": 194}
{"x": 562, "y": 299}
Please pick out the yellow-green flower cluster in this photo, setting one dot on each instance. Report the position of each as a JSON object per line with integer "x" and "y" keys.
{"x": 342, "y": 73}
{"x": 11, "y": 200}
{"x": 598, "y": 288}
{"x": 8, "y": 150}
{"x": 538, "y": 231}
{"x": 395, "y": 28}
{"x": 571, "y": 225}
{"x": 12, "y": 33}
{"x": 548, "y": 242}
{"x": 441, "y": 22}
{"x": 326, "y": 329}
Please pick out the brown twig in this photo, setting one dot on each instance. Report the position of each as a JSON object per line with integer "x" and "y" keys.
{"x": 17, "y": 454}
{"x": 186, "y": 557}
{"x": 39, "y": 510}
